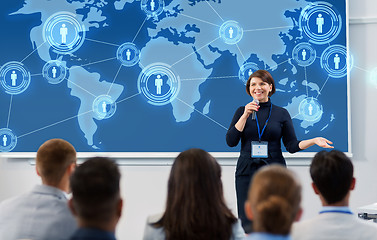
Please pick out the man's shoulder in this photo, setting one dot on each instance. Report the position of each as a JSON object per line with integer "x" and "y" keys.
{"x": 14, "y": 201}
{"x": 48, "y": 190}
{"x": 39, "y": 197}
{"x": 333, "y": 223}
{"x": 308, "y": 223}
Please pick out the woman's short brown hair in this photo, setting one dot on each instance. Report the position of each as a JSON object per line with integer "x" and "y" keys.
{"x": 265, "y": 76}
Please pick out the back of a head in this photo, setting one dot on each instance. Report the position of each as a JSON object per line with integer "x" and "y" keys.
{"x": 195, "y": 199}
{"x": 195, "y": 172}
{"x": 95, "y": 190}
{"x": 332, "y": 173}
{"x": 274, "y": 197}
{"x": 53, "y": 158}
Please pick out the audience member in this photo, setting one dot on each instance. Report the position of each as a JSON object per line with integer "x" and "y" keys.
{"x": 332, "y": 175}
{"x": 273, "y": 203}
{"x": 43, "y": 214}
{"x": 195, "y": 206}
{"x": 96, "y": 200}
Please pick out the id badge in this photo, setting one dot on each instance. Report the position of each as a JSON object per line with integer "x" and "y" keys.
{"x": 259, "y": 149}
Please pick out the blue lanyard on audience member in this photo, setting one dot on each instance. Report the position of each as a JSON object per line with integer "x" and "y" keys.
{"x": 345, "y": 210}
{"x": 336, "y": 211}
{"x": 265, "y": 125}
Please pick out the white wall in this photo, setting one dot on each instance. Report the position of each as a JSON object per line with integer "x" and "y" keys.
{"x": 144, "y": 187}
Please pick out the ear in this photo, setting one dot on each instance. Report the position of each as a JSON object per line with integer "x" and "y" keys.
{"x": 315, "y": 188}
{"x": 71, "y": 168}
{"x": 353, "y": 183}
{"x": 248, "y": 210}
{"x": 299, "y": 215}
{"x": 36, "y": 169}
{"x": 71, "y": 207}
{"x": 120, "y": 207}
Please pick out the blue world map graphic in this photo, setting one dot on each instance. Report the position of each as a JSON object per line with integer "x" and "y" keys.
{"x": 164, "y": 76}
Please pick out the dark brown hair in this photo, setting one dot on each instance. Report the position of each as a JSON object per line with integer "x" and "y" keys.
{"x": 95, "y": 190}
{"x": 195, "y": 206}
{"x": 274, "y": 197}
{"x": 53, "y": 158}
{"x": 332, "y": 173}
{"x": 265, "y": 76}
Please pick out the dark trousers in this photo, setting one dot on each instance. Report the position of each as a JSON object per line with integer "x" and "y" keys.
{"x": 246, "y": 167}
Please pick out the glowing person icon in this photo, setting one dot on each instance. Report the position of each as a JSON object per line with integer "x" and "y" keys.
{"x": 104, "y": 105}
{"x": 64, "y": 33}
{"x": 303, "y": 55}
{"x": 128, "y": 55}
{"x": 54, "y": 72}
{"x": 231, "y": 31}
{"x": 320, "y": 21}
{"x": 310, "y": 108}
{"x": 13, "y": 77}
{"x": 153, "y": 5}
{"x": 336, "y": 61}
{"x": 250, "y": 72}
{"x": 158, "y": 84}
{"x": 5, "y": 139}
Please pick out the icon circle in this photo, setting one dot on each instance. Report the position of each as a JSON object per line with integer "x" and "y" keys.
{"x": 158, "y": 84}
{"x": 152, "y": 8}
{"x": 335, "y": 61}
{"x": 104, "y": 107}
{"x": 310, "y": 109}
{"x": 128, "y": 54}
{"x": 54, "y": 71}
{"x": 320, "y": 22}
{"x": 304, "y": 54}
{"x": 14, "y": 77}
{"x": 63, "y": 32}
{"x": 246, "y": 70}
{"x": 8, "y": 140}
{"x": 231, "y": 32}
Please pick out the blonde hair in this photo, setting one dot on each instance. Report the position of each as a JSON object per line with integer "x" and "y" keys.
{"x": 274, "y": 198}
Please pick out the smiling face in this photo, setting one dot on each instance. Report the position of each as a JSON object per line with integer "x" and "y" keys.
{"x": 259, "y": 89}
{"x": 260, "y": 85}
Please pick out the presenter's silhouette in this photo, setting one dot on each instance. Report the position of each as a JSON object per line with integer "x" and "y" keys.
{"x": 153, "y": 4}
{"x": 261, "y": 86}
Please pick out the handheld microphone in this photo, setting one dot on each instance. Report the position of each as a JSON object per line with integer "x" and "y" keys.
{"x": 254, "y": 112}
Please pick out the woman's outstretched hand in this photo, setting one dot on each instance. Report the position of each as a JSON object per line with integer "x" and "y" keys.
{"x": 323, "y": 142}
{"x": 320, "y": 141}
